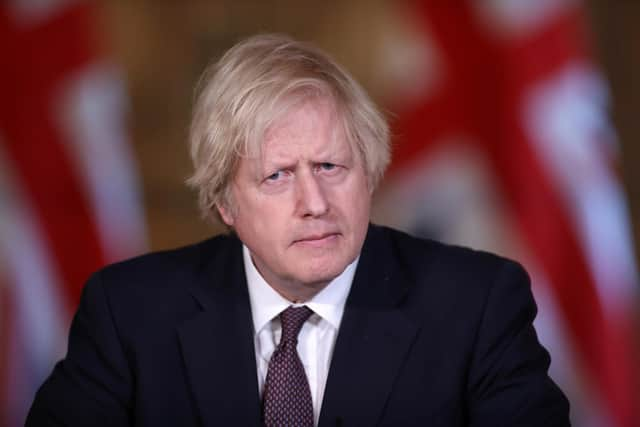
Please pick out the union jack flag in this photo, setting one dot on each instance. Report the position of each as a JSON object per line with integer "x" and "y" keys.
{"x": 68, "y": 190}
{"x": 504, "y": 143}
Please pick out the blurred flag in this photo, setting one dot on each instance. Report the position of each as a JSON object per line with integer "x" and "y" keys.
{"x": 503, "y": 143}
{"x": 69, "y": 200}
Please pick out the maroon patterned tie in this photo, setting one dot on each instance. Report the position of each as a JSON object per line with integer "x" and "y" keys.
{"x": 287, "y": 398}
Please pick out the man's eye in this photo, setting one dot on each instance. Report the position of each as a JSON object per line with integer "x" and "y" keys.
{"x": 327, "y": 166}
{"x": 275, "y": 176}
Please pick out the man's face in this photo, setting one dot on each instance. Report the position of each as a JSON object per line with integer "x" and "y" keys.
{"x": 302, "y": 207}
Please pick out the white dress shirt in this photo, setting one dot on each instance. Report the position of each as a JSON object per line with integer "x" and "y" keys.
{"x": 317, "y": 336}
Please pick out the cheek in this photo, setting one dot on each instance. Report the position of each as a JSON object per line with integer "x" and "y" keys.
{"x": 262, "y": 217}
{"x": 362, "y": 209}
{"x": 355, "y": 206}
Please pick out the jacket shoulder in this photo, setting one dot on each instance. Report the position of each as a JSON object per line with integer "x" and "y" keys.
{"x": 422, "y": 254}
{"x": 169, "y": 266}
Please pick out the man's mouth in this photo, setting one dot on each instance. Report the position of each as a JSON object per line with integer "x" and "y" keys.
{"x": 317, "y": 239}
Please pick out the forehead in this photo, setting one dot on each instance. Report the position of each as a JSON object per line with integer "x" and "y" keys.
{"x": 313, "y": 125}
{"x": 302, "y": 120}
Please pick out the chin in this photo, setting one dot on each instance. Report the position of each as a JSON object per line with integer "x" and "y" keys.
{"x": 323, "y": 273}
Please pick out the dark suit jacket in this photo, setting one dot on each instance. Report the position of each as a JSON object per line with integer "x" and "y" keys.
{"x": 432, "y": 335}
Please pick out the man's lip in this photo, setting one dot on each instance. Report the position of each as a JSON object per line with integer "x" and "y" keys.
{"x": 315, "y": 237}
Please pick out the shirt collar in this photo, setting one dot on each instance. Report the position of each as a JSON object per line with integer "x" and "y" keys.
{"x": 266, "y": 303}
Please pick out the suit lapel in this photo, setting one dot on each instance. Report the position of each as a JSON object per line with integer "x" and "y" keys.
{"x": 217, "y": 345}
{"x": 373, "y": 342}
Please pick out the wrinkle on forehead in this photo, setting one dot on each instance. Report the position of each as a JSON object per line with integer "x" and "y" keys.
{"x": 308, "y": 118}
{"x": 284, "y": 114}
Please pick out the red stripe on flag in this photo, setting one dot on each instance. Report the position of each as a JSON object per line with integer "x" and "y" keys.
{"x": 550, "y": 233}
{"x": 545, "y": 220}
{"x": 41, "y": 60}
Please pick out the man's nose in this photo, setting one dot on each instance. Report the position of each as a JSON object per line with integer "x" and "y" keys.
{"x": 312, "y": 200}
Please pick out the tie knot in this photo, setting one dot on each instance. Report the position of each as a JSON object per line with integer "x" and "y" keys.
{"x": 292, "y": 320}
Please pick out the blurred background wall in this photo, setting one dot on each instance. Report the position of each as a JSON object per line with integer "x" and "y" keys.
{"x": 469, "y": 87}
{"x": 164, "y": 46}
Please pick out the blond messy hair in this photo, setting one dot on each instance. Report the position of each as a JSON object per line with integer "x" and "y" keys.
{"x": 254, "y": 83}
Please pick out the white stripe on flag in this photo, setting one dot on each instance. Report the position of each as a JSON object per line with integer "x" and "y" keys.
{"x": 90, "y": 112}
{"x": 565, "y": 118}
{"x": 39, "y": 337}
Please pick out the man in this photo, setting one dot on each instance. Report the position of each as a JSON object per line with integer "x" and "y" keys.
{"x": 305, "y": 314}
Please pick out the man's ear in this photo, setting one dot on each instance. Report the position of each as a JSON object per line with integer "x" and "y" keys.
{"x": 225, "y": 214}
